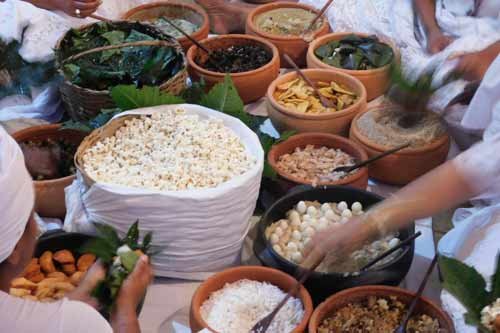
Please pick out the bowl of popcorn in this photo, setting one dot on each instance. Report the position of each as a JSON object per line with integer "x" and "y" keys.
{"x": 289, "y": 225}
{"x": 293, "y": 105}
{"x": 310, "y": 158}
{"x": 377, "y": 309}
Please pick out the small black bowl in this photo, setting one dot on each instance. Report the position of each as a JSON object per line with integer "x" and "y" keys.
{"x": 56, "y": 240}
{"x": 322, "y": 285}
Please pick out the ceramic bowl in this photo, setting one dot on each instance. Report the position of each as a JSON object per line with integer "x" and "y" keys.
{"x": 404, "y": 166}
{"x": 376, "y": 81}
{"x": 358, "y": 294}
{"x": 337, "y": 122}
{"x": 321, "y": 285}
{"x": 50, "y": 197}
{"x": 294, "y": 46}
{"x": 256, "y": 273}
{"x": 190, "y": 12}
{"x": 251, "y": 85}
{"x": 358, "y": 179}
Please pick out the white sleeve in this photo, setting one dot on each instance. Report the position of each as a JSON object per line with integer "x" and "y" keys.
{"x": 79, "y": 317}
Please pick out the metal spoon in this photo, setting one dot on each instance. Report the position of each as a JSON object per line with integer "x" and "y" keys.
{"x": 325, "y": 101}
{"x": 350, "y": 168}
{"x": 414, "y": 302}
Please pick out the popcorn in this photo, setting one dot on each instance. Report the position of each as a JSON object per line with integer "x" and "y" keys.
{"x": 169, "y": 151}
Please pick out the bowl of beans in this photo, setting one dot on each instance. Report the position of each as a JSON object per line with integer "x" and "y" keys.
{"x": 309, "y": 159}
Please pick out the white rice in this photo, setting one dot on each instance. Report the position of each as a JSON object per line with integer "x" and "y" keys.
{"x": 238, "y": 306}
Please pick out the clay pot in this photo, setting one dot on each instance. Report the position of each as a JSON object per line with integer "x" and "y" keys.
{"x": 358, "y": 179}
{"x": 334, "y": 122}
{"x": 257, "y": 273}
{"x": 49, "y": 194}
{"x": 404, "y": 166}
{"x": 376, "y": 81}
{"x": 190, "y": 12}
{"x": 251, "y": 85}
{"x": 294, "y": 46}
{"x": 341, "y": 299}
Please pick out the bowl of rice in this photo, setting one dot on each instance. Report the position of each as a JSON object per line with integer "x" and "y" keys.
{"x": 235, "y": 299}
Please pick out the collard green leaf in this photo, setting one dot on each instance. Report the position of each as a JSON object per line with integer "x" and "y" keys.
{"x": 136, "y": 36}
{"x": 114, "y": 37}
{"x": 324, "y": 50}
{"x": 467, "y": 285}
{"x": 130, "y": 97}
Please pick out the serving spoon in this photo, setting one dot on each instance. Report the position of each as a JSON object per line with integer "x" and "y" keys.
{"x": 402, "y": 328}
{"x": 325, "y": 101}
{"x": 350, "y": 168}
{"x": 305, "y": 34}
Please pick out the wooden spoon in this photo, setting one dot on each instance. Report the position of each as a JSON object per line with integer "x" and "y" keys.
{"x": 325, "y": 101}
{"x": 99, "y": 18}
{"x": 305, "y": 34}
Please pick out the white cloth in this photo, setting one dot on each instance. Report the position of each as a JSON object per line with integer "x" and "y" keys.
{"x": 17, "y": 196}
{"x": 25, "y": 316}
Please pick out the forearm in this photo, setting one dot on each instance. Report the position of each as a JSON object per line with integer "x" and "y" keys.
{"x": 426, "y": 10}
{"x": 45, "y": 4}
{"x": 124, "y": 320}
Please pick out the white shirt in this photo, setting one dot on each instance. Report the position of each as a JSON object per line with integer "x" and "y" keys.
{"x": 65, "y": 316}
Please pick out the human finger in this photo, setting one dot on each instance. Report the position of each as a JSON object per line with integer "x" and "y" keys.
{"x": 94, "y": 275}
{"x": 84, "y": 6}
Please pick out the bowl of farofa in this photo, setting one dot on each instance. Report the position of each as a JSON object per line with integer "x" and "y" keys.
{"x": 284, "y": 117}
{"x": 375, "y": 80}
{"x": 291, "y": 42}
{"x": 308, "y": 158}
{"x": 378, "y": 305}
{"x": 221, "y": 280}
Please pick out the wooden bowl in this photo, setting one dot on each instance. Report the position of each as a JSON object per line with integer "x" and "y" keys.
{"x": 49, "y": 194}
{"x": 257, "y": 273}
{"x": 294, "y": 46}
{"x": 404, "y": 166}
{"x": 190, "y": 12}
{"x": 341, "y": 299}
{"x": 376, "y": 81}
{"x": 334, "y": 122}
{"x": 251, "y": 85}
{"x": 358, "y": 179}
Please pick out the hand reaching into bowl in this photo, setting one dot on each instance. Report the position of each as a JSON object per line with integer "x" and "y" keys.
{"x": 76, "y": 8}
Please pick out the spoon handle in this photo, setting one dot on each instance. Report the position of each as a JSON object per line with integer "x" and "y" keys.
{"x": 377, "y": 157}
{"x": 321, "y": 12}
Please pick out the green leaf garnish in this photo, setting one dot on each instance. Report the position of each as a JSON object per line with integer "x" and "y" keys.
{"x": 129, "y": 97}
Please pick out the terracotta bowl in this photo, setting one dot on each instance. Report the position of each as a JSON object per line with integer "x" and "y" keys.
{"x": 404, "y": 166}
{"x": 358, "y": 179}
{"x": 251, "y": 85}
{"x": 376, "y": 81}
{"x": 294, "y": 46}
{"x": 334, "y": 122}
{"x": 190, "y": 12}
{"x": 50, "y": 197}
{"x": 257, "y": 273}
{"x": 341, "y": 299}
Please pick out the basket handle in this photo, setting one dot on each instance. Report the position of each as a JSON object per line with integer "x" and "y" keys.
{"x": 118, "y": 46}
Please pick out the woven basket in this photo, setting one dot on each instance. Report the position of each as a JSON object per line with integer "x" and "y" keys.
{"x": 84, "y": 104}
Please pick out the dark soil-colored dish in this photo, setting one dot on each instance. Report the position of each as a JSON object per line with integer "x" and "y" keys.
{"x": 322, "y": 285}
{"x": 237, "y": 59}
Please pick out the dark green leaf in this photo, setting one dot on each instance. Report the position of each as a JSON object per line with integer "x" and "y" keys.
{"x": 72, "y": 70}
{"x": 325, "y": 50}
{"x": 194, "y": 93}
{"x": 269, "y": 171}
{"x": 132, "y": 237}
{"x": 114, "y": 37}
{"x": 129, "y": 259}
{"x": 146, "y": 243}
{"x": 108, "y": 234}
{"x": 101, "y": 248}
{"x": 75, "y": 125}
{"x": 136, "y": 36}
{"x": 130, "y": 97}
{"x": 495, "y": 281}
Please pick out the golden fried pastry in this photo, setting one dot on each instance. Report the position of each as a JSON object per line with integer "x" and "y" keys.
{"x": 23, "y": 284}
{"x": 46, "y": 262}
{"x": 33, "y": 267}
{"x": 60, "y": 294}
{"x": 19, "y": 292}
{"x": 85, "y": 261}
{"x": 64, "y": 257}
{"x": 44, "y": 292}
{"x": 30, "y": 297}
{"x": 76, "y": 278}
{"x": 63, "y": 286}
{"x": 59, "y": 275}
{"x": 35, "y": 276}
{"x": 50, "y": 282}
{"x": 69, "y": 269}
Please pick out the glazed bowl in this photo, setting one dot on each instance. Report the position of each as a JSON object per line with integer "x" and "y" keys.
{"x": 341, "y": 299}
{"x": 338, "y": 122}
{"x": 294, "y": 46}
{"x": 359, "y": 179}
{"x": 251, "y": 85}
{"x": 188, "y": 11}
{"x": 404, "y": 166}
{"x": 376, "y": 81}
{"x": 321, "y": 285}
{"x": 256, "y": 273}
{"x": 49, "y": 194}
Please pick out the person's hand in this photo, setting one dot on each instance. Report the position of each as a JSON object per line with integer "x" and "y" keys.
{"x": 77, "y": 8}
{"x": 473, "y": 66}
{"x": 82, "y": 293}
{"x": 134, "y": 287}
{"x": 437, "y": 41}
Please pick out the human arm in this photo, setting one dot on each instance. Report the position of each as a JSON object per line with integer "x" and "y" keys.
{"x": 85, "y": 7}
{"x": 473, "y": 66}
{"x": 436, "y": 39}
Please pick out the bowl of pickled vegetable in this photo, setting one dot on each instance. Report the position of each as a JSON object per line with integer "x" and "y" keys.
{"x": 365, "y": 57}
{"x": 191, "y": 18}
